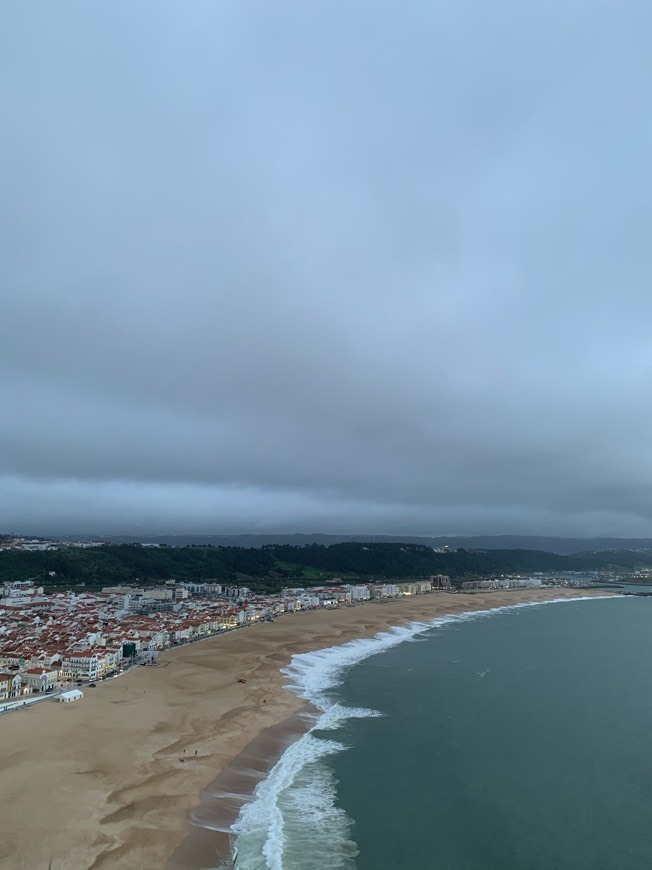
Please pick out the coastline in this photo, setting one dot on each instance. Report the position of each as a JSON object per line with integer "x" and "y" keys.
{"x": 113, "y": 779}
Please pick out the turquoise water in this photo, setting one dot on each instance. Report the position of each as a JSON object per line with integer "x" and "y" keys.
{"x": 520, "y": 739}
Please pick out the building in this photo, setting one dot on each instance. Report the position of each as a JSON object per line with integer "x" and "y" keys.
{"x": 41, "y": 679}
{"x": 387, "y": 590}
{"x": 19, "y": 592}
{"x": 72, "y": 695}
{"x": 358, "y": 593}
{"x": 11, "y": 686}
{"x": 415, "y": 587}
{"x": 81, "y": 666}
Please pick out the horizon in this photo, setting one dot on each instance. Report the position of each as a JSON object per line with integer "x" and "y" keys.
{"x": 306, "y": 266}
{"x": 362, "y": 537}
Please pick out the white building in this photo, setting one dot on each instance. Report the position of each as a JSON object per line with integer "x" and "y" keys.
{"x": 41, "y": 679}
{"x": 72, "y": 695}
{"x": 81, "y": 666}
{"x": 19, "y": 592}
{"x": 359, "y": 593}
{"x": 389, "y": 590}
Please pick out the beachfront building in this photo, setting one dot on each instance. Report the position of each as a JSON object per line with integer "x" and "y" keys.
{"x": 502, "y": 583}
{"x": 415, "y": 587}
{"x": 228, "y": 619}
{"x": 385, "y": 590}
{"x": 72, "y": 695}
{"x": 358, "y": 593}
{"x": 81, "y": 666}
{"x": 156, "y": 640}
{"x": 41, "y": 679}
{"x": 11, "y": 686}
{"x": 108, "y": 660}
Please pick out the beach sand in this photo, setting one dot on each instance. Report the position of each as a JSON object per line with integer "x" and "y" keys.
{"x": 110, "y": 781}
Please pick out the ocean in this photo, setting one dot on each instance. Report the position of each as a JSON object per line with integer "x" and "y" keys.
{"x": 512, "y": 739}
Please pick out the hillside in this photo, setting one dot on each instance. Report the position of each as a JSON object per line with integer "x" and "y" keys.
{"x": 274, "y": 565}
{"x": 132, "y": 563}
{"x": 550, "y": 544}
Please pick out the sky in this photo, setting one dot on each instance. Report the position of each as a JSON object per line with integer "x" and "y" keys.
{"x": 341, "y": 266}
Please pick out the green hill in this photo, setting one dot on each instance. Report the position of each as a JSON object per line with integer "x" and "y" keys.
{"x": 273, "y": 566}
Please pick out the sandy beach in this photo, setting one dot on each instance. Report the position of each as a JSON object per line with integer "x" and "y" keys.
{"x": 110, "y": 781}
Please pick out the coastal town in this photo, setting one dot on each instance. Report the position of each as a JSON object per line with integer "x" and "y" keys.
{"x": 71, "y": 639}
{"x": 60, "y": 643}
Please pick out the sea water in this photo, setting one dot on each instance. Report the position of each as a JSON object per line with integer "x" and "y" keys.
{"x": 514, "y": 738}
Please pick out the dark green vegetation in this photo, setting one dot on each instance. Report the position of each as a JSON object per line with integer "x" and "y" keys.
{"x": 107, "y": 565}
{"x": 412, "y": 560}
{"x": 273, "y": 566}
{"x": 562, "y": 546}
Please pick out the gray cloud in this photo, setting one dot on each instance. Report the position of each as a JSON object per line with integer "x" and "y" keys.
{"x": 338, "y": 267}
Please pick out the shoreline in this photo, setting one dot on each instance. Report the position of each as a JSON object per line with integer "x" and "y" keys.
{"x": 114, "y": 779}
{"x": 209, "y": 843}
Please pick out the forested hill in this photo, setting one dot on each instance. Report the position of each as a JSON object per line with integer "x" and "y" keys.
{"x": 274, "y": 565}
{"x": 561, "y": 546}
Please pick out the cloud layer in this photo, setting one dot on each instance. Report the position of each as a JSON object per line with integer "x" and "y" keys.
{"x": 333, "y": 266}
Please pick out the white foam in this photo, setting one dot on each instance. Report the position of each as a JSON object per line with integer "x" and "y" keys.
{"x": 299, "y": 793}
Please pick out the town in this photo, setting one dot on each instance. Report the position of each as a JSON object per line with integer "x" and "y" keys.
{"x": 54, "y": 644}
{"x": 50, "y": 643}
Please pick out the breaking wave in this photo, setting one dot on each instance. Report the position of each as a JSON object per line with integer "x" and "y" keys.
{"x": 293, "y": 822}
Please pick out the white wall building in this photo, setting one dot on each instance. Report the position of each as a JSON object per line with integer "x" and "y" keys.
{"x": 81, "y": 666}
{"x": 359, "y": 593}
{"x": 41, "y": 679}
{"x": 72, "y": 695}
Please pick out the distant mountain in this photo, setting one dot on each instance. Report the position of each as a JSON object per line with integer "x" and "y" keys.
{"x": 561, "y": 546}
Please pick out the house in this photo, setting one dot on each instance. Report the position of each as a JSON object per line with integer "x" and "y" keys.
{"x": 10, "y": 686}
{"x": 10, "y": 659}
{"x": 41, "y": 679}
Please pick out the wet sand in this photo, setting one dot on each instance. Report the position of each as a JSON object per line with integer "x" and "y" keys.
{"x": 208, "y": 844}
{"x": 111, "y": 781}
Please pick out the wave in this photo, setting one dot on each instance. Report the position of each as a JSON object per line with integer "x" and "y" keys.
{"x": 294, "y": 811}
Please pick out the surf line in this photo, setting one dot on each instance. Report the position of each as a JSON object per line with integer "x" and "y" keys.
{"x": 261, "y": 825}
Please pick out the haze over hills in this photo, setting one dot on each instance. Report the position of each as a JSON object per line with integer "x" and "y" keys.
{"x": 561, "y": 546}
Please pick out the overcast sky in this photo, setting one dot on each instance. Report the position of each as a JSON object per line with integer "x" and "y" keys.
{"x": 326, "y": 266}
